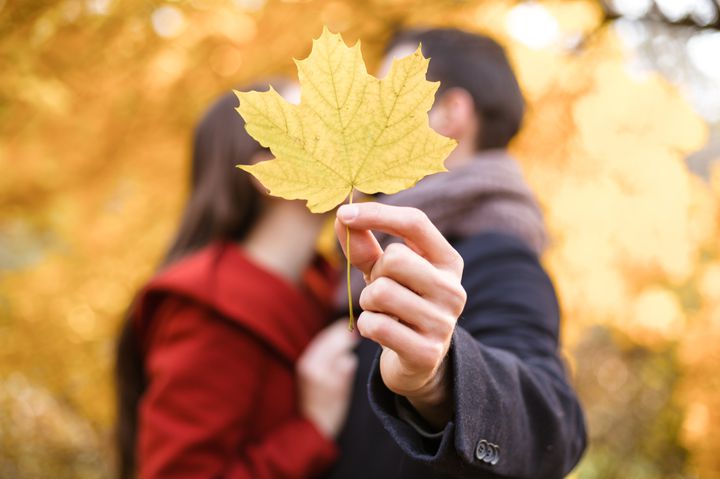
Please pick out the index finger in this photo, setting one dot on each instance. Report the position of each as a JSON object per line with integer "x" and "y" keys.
{"x": 410, "y": 224}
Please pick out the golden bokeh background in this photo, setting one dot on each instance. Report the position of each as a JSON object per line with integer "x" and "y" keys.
{"x": 97, "y": 103}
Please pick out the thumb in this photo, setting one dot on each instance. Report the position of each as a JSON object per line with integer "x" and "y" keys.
{"x": 364, "y": 248}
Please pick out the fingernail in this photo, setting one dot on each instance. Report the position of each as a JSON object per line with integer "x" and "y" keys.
{"x": 347, "y": 213}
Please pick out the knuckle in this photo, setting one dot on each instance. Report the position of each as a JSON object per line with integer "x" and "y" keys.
{"x": 377, "y": 330}
{"x": 394, "y": 257}
{"x": 381, "y": 289}
{"x": 382, "y": 282}
{"x": 454, "y": 263}
{"x": 446, "y": 325}
{"x": 458, "y": 263}
{"x": 417, "y": 221}
{"x": 438, "y": 350}
{"x": 365, "y": 324}
{"x": 365, "y": 298}
{"x": 444, "y": 284}
{"x": 393, "y": 248}
{"x": 374, "y": 296}
{"x": 459, "y": 298}
{"x": 413, "y": 220}
{"x": 418, "y": 216}
{"x": 452, "y": 291}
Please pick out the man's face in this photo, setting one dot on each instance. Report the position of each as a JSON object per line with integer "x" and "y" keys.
{"x": 401, "y": 51}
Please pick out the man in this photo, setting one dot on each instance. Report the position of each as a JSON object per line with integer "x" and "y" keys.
{"x": 469, "y": 382}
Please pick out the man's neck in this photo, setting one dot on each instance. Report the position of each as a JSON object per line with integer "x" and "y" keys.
{"x": 461, "y": 155}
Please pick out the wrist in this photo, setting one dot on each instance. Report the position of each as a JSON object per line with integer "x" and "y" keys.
{"x": 434, "y": 401}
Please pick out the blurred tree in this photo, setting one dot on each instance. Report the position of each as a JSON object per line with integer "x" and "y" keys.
{"x": 694, "y": 13}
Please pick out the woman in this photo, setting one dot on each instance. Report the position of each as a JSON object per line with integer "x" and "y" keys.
{"x": 207, "y": 359}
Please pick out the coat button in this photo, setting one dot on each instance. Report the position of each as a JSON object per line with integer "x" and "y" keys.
{"x": 482, "y": 450}
{"x": 491, "y": 454}
{"x": 496, "y": 457}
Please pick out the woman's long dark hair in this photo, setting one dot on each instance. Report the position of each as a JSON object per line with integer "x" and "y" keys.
{"x": 222, "y": 205}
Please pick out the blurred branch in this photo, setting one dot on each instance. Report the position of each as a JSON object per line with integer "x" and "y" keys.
{"x": 655, "y": 14}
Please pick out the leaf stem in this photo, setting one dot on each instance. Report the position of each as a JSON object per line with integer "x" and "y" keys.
{"x": 351, "y": 320}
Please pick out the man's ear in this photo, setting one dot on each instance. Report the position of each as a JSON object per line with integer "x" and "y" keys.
{"x": 454, "y": 116}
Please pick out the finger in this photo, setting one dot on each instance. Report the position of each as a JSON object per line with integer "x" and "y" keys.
{"x": 388, "y": 297}
{"x": 410, "y": 224}
{"x": 405, "y": 266}
{"x": 414, "y": 272}
{"x": 364, "y": 248}
{"x": 409, "y": 345}
{"x": 408, "y": 268}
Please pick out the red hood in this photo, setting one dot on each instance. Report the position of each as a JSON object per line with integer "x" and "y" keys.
{"x": 222, "y": 278}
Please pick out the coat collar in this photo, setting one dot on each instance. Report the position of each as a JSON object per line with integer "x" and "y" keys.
{"x": 224, "y": 279}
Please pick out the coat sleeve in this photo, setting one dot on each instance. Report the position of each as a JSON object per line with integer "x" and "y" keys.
{"x": 515, "y": 415}
{"x": 203, "y": 381}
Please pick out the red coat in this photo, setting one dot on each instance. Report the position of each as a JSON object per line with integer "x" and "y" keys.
{"x": 220, "y": 337}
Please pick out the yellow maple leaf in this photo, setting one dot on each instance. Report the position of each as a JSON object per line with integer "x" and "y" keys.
{"x": 350, "y": 130}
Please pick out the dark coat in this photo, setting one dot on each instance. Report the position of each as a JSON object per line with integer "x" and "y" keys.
{"x": 515, "y": 415}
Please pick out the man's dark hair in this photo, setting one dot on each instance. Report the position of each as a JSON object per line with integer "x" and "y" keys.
{"x": 477, "y": 64}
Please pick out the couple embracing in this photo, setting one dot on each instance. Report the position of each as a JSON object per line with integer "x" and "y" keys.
{"x": 232, "y": 362}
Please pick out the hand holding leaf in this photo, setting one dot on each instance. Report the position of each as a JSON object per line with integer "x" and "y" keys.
{"x": 350, "y": 130}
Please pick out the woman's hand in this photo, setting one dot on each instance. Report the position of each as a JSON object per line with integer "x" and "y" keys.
{"x": 325, "y": 373}
{"x": 411, "y": 303}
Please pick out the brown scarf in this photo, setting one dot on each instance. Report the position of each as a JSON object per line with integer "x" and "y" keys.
{"x": 488, "y": 193}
